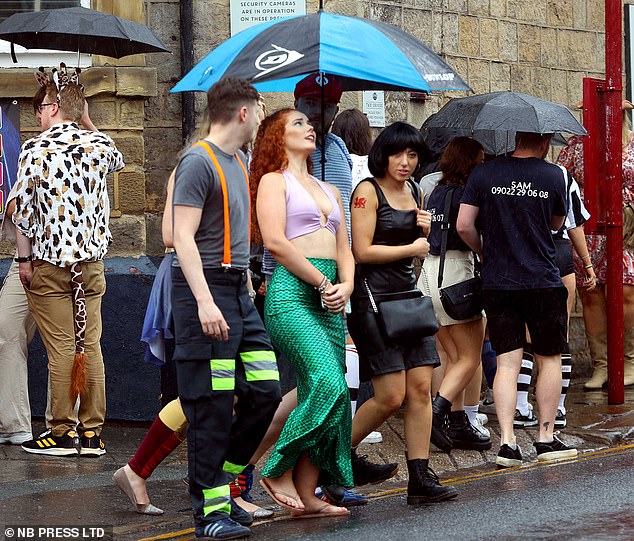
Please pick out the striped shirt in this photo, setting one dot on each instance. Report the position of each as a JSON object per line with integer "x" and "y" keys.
{"x": 338, "y": 173}
{"x": 576, "y": 213}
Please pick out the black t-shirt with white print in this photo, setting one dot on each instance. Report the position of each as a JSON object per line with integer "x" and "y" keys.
{"x": 517, "y": 198}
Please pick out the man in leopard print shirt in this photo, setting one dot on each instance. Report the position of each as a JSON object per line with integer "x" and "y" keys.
{"x": 62, "y": 208}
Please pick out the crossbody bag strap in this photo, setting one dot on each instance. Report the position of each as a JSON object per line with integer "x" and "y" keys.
{"x": 370, "y": 296}
{"x": 226, "y": 258}
{"x": 444, "y": 228}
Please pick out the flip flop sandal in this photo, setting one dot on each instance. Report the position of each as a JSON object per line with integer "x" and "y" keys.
{"x": 262, "y": 513}
{"x": 269, "y": 490}
{"x": 320, "y": 513}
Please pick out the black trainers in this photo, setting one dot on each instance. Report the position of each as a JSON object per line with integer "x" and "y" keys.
{"x": 554, "y": 450}
{"x": 339, "y": 496}
{"x": 47, "y": 444}
{"x": 91, "y": 445}
{"x": 241, "y": 516}
{"x": 525, "y": 420}
{"x": 463, "y": 435}
{"x": 560, "y": 419}
{"x": 368, "y": 473}
{"x": 509, "y": 457}
{"x": 424, "y": 486}
{"x": 224, "y": 528}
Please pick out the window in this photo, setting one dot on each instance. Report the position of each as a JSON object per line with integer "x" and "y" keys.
{"x": 34, "y": 58}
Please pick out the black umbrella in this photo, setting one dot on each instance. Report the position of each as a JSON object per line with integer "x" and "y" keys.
{"x": 506, "y": 112}
{"x": 494, "y": 142}
{"x": 79, "y": 29}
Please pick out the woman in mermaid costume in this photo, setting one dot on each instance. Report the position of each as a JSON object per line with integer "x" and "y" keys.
{"x": 301, "y": 221}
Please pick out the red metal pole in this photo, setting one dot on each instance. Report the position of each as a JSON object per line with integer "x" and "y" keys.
{"x": 614, "y": 200}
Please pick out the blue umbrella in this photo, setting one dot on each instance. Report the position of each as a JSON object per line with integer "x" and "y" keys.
{"x": 362, "y": 53}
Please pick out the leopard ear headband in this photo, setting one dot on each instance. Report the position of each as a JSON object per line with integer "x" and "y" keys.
{"x": 59, "y": 77}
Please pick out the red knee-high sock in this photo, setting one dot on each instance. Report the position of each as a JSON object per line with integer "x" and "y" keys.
{"x": 159, "y": 442}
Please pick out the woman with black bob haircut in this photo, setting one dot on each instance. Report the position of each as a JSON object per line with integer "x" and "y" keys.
{"x": 388, "y": 232}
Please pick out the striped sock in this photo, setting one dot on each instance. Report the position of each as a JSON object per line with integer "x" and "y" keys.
{"x": 566, "y": 373}
{"x": 524, "y": 380}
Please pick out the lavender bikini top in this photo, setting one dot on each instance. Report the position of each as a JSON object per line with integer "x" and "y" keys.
{"x": 302, "y": 213}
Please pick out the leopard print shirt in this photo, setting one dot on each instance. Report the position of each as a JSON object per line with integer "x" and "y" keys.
{"x": 61, "y": 196}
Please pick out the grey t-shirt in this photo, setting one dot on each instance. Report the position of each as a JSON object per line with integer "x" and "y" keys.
{"x": 197, "y": 185}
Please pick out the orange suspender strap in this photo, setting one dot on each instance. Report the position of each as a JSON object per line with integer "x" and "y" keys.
{"x": 246, "y": 177}
{"x": 226, "y": 259}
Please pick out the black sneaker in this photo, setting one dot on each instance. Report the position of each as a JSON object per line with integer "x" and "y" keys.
{"x": 47, "y": 444}
{"x": 368, "y": 473}
{"x": 241, "y": 516}
{"x": 560, "y": 420}
{"x": 525, "y": 420}
{"x": 339, "y": 496}
{"x": 91, "y": 445}
{"x": 463, "y": 435}
{"x": 509, "y": 457}
{"x": 225, "y": 528}
{"x": 554, "y": 450}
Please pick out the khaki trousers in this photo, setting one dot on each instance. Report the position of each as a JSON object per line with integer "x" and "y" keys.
{"x": 16, "y": 331}
{"x": 51, "y": 303}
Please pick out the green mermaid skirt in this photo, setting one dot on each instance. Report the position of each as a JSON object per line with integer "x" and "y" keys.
{"x": 313, "y": 340}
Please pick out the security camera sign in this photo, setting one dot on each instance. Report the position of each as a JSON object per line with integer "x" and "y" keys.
{"x": 374, "y": 107}
{"x": 247, "y": 13}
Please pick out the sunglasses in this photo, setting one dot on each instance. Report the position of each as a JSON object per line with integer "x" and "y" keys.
{"x": 42, "y": 105}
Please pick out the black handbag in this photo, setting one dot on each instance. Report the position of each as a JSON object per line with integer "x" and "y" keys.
{"x": 462, "y": 300}
{"x": 405, "y": 314}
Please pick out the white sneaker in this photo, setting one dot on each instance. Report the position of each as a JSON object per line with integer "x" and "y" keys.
{"x": 483, "y": 418}
{"x": 478, "y": 426}
{"x": 373, "y": 437}
{"x": 15, "y": 438}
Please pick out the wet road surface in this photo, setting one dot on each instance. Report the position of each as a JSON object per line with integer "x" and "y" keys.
{"x": 590, "y": 498}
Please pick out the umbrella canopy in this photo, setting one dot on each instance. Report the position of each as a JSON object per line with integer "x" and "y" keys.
{"x": 79, "y": 29}
{"x": 506, "y": 112}
{"x": 362, "y": 53}
{"x": 494, "y": 143}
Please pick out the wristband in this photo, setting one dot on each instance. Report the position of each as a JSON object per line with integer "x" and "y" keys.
{"x": 585, "y": 256}
{"x": 588, "y": 266}
{"x": 24, "y": 259}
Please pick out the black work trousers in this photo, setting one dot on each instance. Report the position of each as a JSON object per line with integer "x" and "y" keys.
{"x": 210, "y": 374}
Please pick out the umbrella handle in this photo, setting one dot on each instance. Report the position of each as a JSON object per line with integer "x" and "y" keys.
{"x": 13, "y": 57}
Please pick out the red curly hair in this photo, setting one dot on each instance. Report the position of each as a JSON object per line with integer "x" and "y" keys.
{"x": 269, "y": 156}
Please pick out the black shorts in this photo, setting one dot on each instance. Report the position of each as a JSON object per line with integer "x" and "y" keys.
{"x": 563, "y": 257}
{"x": 543, "y": 311}
{"x": 379, "y": 354}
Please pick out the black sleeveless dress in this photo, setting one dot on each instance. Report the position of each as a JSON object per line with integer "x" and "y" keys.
{"x": 379, "y": 354}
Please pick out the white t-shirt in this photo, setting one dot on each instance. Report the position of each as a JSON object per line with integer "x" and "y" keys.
{"x": 360, "y": 169}
{"x": 427, "y": 185}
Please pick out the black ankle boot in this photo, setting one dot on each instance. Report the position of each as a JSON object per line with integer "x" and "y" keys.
{"x": 440, "y": 409}
{"x": 369, "y": 473}
{"x": 463, "y": 435}
{"x": 424, "y": 486}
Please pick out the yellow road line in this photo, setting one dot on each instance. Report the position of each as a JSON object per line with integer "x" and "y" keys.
{"x": 591, "y": 455}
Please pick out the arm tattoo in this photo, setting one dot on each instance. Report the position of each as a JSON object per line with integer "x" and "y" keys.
{"x": 359, "y": 202}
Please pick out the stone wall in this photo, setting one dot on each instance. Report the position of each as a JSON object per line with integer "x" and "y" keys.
{"x": 543, "y": 48}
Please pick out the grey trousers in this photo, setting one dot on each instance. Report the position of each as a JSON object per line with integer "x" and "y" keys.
{"x": 16, "y": 331}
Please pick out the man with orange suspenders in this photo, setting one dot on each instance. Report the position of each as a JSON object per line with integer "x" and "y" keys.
{"x": 222, "y": 348}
